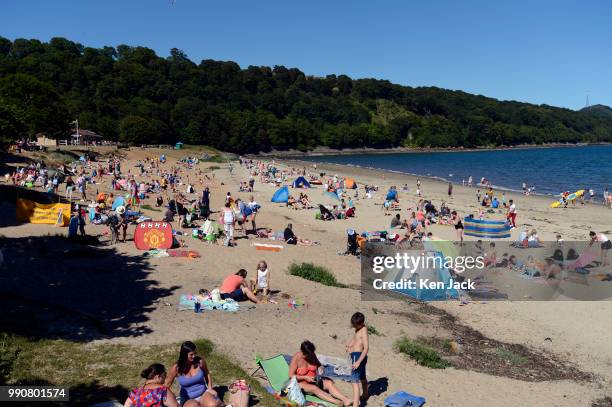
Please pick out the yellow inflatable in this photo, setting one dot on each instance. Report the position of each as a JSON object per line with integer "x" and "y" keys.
{"x": 570, "y": 198}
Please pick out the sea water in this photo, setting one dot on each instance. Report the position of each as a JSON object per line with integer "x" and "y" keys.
{"x": 551, "y": 170}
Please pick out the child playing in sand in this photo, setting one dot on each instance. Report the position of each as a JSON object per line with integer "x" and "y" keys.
{"x": 263, "y": 279}
{"x": 358, "y": 348}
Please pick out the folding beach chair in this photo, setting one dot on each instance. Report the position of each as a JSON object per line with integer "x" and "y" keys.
{"x": 277, "y": 373}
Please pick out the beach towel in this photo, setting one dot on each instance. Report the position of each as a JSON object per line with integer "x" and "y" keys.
{"x": 187, "y": 303}
{"x": 336, "y": 368}
{"x": 192, "y": 254}
{"x": 157, "y": 253}
{"x": 268, "y": 247}
{"x": 583, "y": 260}
{"x": 403, "y": 399}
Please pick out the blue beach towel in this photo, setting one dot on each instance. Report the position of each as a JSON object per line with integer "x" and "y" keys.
{"x": 403, "y": 399}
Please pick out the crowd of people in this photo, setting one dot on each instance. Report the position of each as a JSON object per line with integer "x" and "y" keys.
{"x": 187, "y": 201}
{"x": 197, "y": 389}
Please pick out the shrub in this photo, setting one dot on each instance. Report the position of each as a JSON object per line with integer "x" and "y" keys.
{"x": 422, "y": 354}
{"x": 311, "y": 272}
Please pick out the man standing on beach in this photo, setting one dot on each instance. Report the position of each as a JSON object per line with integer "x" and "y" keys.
{"x": 512, "y": 214}
{"x": 450, "y": 190}
{"x": 605, "y": 245}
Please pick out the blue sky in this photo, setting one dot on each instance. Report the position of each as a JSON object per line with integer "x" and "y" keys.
{"x": 553, "y": 52}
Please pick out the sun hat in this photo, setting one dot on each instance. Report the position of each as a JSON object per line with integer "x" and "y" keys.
{"x": 120, "y": 209}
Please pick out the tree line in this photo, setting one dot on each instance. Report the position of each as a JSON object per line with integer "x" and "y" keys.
{"x": 130, "y": 94}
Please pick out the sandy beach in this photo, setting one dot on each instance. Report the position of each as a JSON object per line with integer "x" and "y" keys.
{"x": 578, "y": 332}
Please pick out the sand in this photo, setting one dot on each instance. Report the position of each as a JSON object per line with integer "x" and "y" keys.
{"x": 580, "y": 331}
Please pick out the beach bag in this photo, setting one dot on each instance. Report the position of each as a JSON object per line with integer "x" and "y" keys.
{"x": 294, "y": 393}
{"x": 215, "y": 295}
{"x": 239, "y": 394}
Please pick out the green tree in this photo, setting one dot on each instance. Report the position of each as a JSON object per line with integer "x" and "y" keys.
{"x": 137, "y": 130}
{"x": 131, "y": 92}
{"x": 10, "y": 127}
{"x": 35, "y": 104}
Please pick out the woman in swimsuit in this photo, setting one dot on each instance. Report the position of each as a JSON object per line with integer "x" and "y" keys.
{"x": 458, "y": 226}
{"x": 152, "y": 393}
{"x": 304, "y": 365}
{"x": 194, "y": 379}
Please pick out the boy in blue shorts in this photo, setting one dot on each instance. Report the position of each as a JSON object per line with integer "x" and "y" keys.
{"x": 358, "y": 348}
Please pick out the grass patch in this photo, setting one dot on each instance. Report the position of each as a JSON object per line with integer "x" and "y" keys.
{"x": 511, "y": 357}
{"x": 311, "y": 272}
{"x": 97, "y": 373}
{"x": 373, "y": 331}
{"x": 420, "y": 353}
{"x": 213, "y": 168}
{"x": 215, "y": 159}
{"x": 149, "y": 208}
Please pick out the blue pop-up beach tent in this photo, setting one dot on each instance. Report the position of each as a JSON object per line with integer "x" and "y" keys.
{"x": 301, "y": 182}
{"x": 433, "y": 273}
{"x": 332, "y": 195}
{"x": 281, "y": 195}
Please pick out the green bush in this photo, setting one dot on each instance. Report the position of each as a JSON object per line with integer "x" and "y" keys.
{"x": 311, "y": 272}
{"x": 422, "y": 354}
